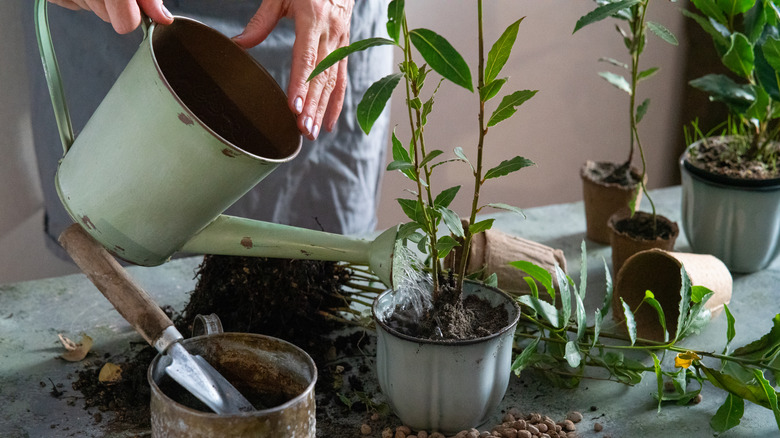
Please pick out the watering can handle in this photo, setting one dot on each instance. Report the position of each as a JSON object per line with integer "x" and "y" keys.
{"x": 51, "y": 70}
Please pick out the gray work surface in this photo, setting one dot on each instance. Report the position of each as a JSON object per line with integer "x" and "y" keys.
{"x": 33, "y": 313}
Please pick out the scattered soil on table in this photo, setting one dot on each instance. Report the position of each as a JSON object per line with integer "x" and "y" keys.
{"x": 716, "y": 156}
{"x": 450, "y": 317}
{"x": 288, "y": 299}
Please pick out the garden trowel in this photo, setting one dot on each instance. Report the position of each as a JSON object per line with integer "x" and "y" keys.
{"x": 137, "y": 307}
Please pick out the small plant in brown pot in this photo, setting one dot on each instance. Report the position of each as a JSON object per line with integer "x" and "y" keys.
{"x": 435, "y": 315}
{"x": 626, "y": 229}
{"x": 730, "y": 176}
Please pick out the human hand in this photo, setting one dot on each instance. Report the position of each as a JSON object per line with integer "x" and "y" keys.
{"x": 124, "y": 15}
{"x": 321, "y": 26}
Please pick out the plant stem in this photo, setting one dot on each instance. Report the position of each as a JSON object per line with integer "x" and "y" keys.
{"x": 480, "y": 150}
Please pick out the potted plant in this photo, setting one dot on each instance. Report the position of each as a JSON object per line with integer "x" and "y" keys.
{"x": 630, "y": 231}
{"x": 730, "y": 175}
{"x": 429, "y": 325}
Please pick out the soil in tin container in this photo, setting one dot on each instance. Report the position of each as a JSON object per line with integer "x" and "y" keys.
{"x": 450, "y": 318}
{"x": 259, "y": 399}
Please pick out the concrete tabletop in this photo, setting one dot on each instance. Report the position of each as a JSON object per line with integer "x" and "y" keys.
{"x": 33, "y": 313}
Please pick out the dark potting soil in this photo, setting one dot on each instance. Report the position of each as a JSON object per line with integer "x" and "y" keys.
{"x": 451, "y": 318}
{"x": 606, "y": 172}
{"x": 641, "y": 227}
{"x": 288, "y": 299}
{"x": 715, "y": 156}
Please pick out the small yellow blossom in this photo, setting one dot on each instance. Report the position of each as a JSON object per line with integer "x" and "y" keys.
{"x": 684, "y": 360}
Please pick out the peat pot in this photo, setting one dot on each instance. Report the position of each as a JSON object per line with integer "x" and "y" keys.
{"x": 276, "y": 376}
{"x": 446, "y": 386}
{"x": 737, "y": 221}
{"x": 602, "y": 199}
{"x": 625, "y": 244}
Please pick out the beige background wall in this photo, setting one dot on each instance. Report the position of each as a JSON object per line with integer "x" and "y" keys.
{"x": 575, "y": 116}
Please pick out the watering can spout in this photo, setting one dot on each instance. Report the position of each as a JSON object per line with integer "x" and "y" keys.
{"x": 230, "y": 235}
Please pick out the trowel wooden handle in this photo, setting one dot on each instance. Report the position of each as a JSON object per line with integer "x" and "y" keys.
{"x": 129, "y": 299}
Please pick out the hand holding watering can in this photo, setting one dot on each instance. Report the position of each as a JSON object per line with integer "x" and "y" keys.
{"x": 319, "y": 31}
{"x": 191, "y": 124}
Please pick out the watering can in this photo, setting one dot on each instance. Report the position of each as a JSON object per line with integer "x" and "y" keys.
{"x": 191, "y": 125}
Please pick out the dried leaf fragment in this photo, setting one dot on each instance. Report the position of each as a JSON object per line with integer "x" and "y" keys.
{"x": 110, "y": 373}
{"x": 75, "y": 352}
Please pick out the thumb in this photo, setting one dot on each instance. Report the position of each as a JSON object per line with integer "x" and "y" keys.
{"x": 261, "y": 25}
{"x": 156, "y": 11}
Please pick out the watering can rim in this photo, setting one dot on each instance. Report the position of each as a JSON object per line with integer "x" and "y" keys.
{"x": 148, "y": 35}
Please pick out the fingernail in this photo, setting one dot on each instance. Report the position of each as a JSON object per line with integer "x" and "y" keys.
{"x": 315, "y": 131}
{"x": 167, "y": 12}
{"x": 307, "y": 122}
{"x": 298, "y": 105}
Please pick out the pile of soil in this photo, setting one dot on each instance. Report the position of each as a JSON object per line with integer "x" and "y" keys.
{"x": 606, "y": 172}
{"x": 287, "y": 299}
{"x": 716, "y": 156}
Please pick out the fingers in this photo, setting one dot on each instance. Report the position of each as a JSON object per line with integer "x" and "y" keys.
{"x": 124, "y": 15}
{"x": 261, "y": 24}
{"x": 336, "y": 101}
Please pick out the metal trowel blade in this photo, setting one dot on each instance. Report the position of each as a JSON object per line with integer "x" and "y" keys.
{"x": 204, "y": 382}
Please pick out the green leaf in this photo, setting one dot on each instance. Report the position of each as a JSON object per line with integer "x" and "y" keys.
{"x": 771, "y": 50}
{"x": 644, "y": 74}
{"x": 375, "y": 100}
{"x": 442, "y": 57}
{"x": 710, "y": 8}
{"x": 582, "y": 318}
{"x": 698, "y": 293}
{"x": 735, "y": 7}
{"x": 572, "y": 355}
{"x": 452, "y": 221}
{"x": 409, "y": 207}
{"x": 752, "y": 392}
{"x": 721, "y": 88}
{"x": 406, "y": 230}
{"x": 395, "y": 18}
{"x": 499, "y": 53}
{"x": 602, "y": 12}
{"x": 659, "y": 379}
{"x": 641, "y": 110}
{"x": 428, "y": 106}
{"x": 342, "y": 52}
{"x": 730, "y": 330}
{"x": 444, "y": 245}
{"x": 614, "y": 62}
{"x": 769, "y": 392}
{"x": 508, "y": 166}
{"x": 765, "y": 347}
{"x": 537, "y": 273}
{"x": 596, "y": 328}
{"x": 462, "y": 156}
{"x": 444, "y": 198}
{"x": 431, "y": 155}
{"x": 650, "y": 299}
{"x": 481, "y": 226}
{"x": 546, "y": 310}
{"x": 563, "y": 287}
{"x": 740, "y": 58}
{"x": 490, "y": 89}
{"x": 506, "y": 207}
{"x": 616, "y": 80}
{"x": 399, "y": 165}
{"x": 608, "y": 290}
{"x": 492, "y": 280}
{"x": 524, "y": 358}
{"x": 729, "y": 414}
{"x": 630, "y": 322}
{"x": 400, "y": 154}
{"x": 684, "y": 304}
{"x": 718, "y": 38}
{"x": 509, "y": 105}
{"x": 662, "y": 32}
{"x": 583, "y": 269}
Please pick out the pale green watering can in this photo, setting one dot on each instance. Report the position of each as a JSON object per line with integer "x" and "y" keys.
{"x": 191, "y": 124}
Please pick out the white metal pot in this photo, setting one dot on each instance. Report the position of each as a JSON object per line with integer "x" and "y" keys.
{"x": 446, "y": 386}
{"x": 737, "y": 221}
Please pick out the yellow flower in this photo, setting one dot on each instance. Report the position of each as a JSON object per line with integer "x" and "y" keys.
{"x": 684, "y": 360}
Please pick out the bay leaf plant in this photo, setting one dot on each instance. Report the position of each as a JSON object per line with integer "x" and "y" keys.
{"x": 559, "y": 342}
{"x": 429, "y": 207}
{"x": 634, "y": 32}
{"x": 746, "y": 37}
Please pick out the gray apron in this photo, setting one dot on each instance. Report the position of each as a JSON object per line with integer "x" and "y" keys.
{"x": 332, "y": 185}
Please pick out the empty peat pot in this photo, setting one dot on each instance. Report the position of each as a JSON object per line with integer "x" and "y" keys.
{"x": 276, "y": 376}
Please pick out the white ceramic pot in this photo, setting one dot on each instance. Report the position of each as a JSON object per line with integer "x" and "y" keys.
{"x": 737, "y": 221}
{"x": 445, "y": 386}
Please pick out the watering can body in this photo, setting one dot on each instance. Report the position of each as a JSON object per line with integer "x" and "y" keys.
{"x": 191, "y": 124}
